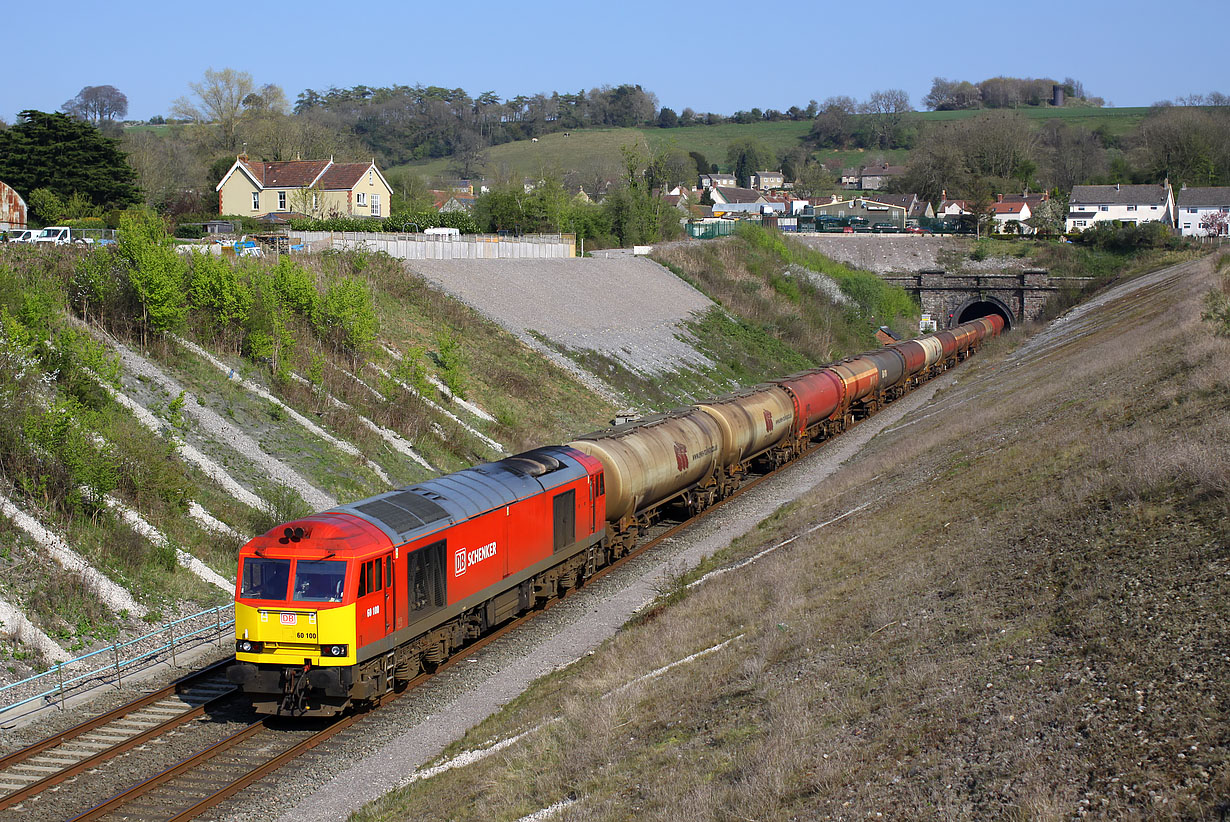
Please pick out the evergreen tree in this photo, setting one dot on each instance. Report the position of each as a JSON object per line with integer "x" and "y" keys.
{"x": 66, "y": 156}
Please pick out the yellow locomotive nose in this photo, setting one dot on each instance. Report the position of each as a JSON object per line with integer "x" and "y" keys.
{"x": 292, "y": 635}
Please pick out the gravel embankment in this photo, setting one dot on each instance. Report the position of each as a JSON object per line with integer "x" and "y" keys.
{"x": 396, "y": 740}
{"x": 569, "y": 301}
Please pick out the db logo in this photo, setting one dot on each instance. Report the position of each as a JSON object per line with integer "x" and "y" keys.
{"x": 288, "y": 619}
{"x": 459, "y": 562}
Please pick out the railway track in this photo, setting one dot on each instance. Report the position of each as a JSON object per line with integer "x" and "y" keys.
{"x": 35, "y": 768}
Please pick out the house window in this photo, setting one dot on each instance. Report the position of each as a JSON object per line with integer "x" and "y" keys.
{"x": 1080, "y": 223}
{"x": 256, "y": 200}
{"x": 1187, "y": 225}
{"x": 360, "y": 199}
{"x": 315, "y": 201}
{"x": 1106, "y": 208}
{"x": 281, "y": 201}
{"x": 375, "y": 205}
{"x": 369, "y": 176}
{"x": 1131, "y": 208}
{"x": 1193, "y": 211}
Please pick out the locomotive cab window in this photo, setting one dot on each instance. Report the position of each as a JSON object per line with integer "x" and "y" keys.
{"x": 370, "y": 574}
{"x": 319, "y": 580}
{"x": 264, "y": 578}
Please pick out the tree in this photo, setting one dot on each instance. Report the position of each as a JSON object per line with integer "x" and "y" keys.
{"x": 219, "y": 99}
{"x": 1214, "y": 224}
{"x": 833, "y": 126}
{"x": 814, "y": 180}
{"x": 97, "y": 103}
{"x": 66, "y": 156}
{"x": 887, "y": 109}
{"x": 746, "y": 157}
{"x": 952, "y": 95}
{"x": 1049, "y": 216}
{"x": 157, "y": 273}
{"x": 667, "y": 118}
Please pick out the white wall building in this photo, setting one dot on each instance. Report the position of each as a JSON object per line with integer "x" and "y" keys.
{"x": 1128, "y": 204}
{"x": 1194, "y": 204}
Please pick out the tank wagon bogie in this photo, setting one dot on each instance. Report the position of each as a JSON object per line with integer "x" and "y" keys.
{"x": 334, "y": 609}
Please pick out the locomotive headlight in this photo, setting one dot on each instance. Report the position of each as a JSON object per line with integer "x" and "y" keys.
{"x": 247, "y": 646}
{"x": 333, "y": 650}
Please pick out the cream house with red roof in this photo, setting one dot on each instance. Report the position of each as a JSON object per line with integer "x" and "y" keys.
{"x": 317, "y": 188}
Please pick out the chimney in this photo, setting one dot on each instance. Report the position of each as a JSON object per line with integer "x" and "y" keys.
{"x": 943, "y": 194}
{"x": 1116, "y": 186}
{"x": 1184, "y": 188}
{"x": 999, "y": 198}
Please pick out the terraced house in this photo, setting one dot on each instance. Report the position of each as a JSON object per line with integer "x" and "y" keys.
{"x": 315, "y": 188}
{"x": 1129, "y": 204}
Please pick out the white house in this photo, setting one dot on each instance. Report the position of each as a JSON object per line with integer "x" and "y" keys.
{"x": 1196, "y": 205}
{"x": 1128, "y": 204}
{"x": 766, "y": 180}
{"x": 716, "y": 179}
{"x": 1008, "y": 212}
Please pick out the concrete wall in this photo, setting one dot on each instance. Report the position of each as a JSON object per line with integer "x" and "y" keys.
{"x": 431, "y": 247}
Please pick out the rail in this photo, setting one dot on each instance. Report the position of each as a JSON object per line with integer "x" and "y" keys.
{"x": 117, "y": 663}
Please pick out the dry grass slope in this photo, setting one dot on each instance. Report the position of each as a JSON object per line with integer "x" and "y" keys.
{"x": 1029, "y": 621}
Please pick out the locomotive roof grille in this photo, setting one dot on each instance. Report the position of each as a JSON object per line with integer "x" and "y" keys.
{"x": 403, "y": 512}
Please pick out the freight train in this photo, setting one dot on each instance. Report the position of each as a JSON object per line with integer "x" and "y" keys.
{"x": 334, "y": 609}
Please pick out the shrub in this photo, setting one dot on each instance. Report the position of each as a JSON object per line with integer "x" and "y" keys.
{"x": 156, "y": 271}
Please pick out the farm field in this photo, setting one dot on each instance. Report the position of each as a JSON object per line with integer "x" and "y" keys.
{"x": 594, "y": 152}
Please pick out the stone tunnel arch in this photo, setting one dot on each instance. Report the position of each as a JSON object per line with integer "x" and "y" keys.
{"x": 982, "y": 306}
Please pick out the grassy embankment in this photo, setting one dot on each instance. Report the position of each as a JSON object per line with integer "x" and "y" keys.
{"x": 597, "y": 151}
{"x": 64, "y": 442}
{"x": 773, "y": 316}
{"x": 1028, "y": 621}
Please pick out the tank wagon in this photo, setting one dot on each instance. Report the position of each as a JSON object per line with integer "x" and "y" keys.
{"x": 332, "y": 610}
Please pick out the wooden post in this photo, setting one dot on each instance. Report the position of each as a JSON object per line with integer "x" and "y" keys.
{"x": 115, "y": 649}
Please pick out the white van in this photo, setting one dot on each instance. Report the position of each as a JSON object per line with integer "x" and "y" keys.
{"x": 21, "y": 235}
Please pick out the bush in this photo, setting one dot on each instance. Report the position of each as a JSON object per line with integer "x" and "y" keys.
{"x": 1112, "y": 235}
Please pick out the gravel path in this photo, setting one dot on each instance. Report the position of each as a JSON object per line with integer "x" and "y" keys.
{"x": 401, "y": 737}
{"x": 569, "y": 302}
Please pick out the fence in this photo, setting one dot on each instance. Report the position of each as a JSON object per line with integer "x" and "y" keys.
{"x": 711, "y": 230}
{"x": 445, "y": 246}
{"x": 117, "y": 664}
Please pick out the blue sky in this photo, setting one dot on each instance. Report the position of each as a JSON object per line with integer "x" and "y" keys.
{"x": 713, "y": 56}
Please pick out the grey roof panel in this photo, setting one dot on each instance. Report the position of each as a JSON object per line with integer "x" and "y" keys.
{"x": 409, "y": 513}
{"x": 1207, "y": 196}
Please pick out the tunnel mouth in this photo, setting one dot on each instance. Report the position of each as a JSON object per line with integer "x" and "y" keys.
{"x": 974, "y": 309}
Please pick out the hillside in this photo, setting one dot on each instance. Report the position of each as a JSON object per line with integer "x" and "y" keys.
{"x": 590, "y": 152}
{"x": 958, "y": 624}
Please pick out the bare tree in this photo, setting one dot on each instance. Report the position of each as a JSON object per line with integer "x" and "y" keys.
{"x": 219, "y": 99}
{"x": 887, "y": 109}
{"x": 95, "y": 104}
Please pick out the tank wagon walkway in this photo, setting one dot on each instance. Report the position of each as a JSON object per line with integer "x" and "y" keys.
{"x": 630, "y": 309}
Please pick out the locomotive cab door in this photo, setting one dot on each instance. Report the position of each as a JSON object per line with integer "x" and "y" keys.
{"x": 370, "y": 602}
{"x": 390, "y": 601}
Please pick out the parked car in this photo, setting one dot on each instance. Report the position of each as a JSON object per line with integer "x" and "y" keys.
{"x": 884, "y": 228}
{"x": 20, "y": 235}
{"x": 916, "y": 230}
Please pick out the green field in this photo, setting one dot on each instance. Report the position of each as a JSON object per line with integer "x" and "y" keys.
{"x": 592, "y": 152}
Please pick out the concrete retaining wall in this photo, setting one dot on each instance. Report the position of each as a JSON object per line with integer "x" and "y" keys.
{"x": 443, "y": 247}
